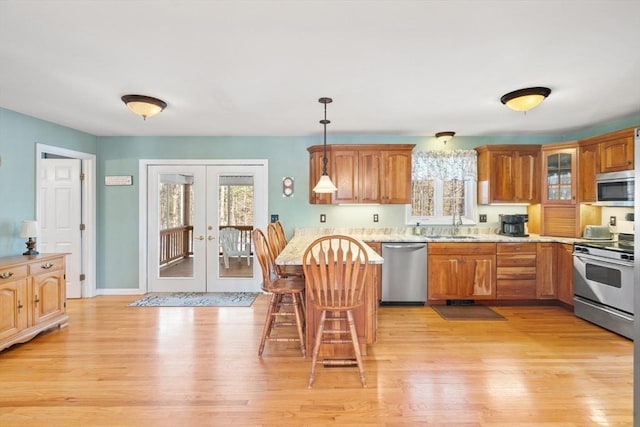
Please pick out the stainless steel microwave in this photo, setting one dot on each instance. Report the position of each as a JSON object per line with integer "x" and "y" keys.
{"x": 615, "y": 188}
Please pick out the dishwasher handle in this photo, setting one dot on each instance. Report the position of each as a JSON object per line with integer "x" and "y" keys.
{"x": 404, "y": 246}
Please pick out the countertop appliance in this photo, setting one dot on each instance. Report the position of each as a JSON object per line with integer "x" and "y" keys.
{"x": 603, "y": 283}
{"x": 404, "y": 273}
{"x": 597, "y": 232}
{"x": 615, "y": 188}
{"x": 513, "y": 225}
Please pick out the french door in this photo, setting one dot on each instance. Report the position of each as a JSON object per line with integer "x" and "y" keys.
{"x": 187, "y": 207}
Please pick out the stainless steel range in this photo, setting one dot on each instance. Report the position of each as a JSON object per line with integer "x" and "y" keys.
{"x": 603, "y": 283}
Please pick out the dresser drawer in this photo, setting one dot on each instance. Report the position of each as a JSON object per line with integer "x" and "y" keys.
{"x": 516, "y": 260}
{"x": 510, "y": 248}
{"x": 516, "y": 289}
{"x": 9, "y": 274}
{"x": 516, "y": 273}
{"x": 41, "y": 267}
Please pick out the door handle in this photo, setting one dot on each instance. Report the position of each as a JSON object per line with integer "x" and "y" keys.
{"x": 210, "y": 237}
{"x": 200, "y": 237}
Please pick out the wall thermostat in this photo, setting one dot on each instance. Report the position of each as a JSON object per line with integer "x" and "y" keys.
{"x": 287, "y": 186}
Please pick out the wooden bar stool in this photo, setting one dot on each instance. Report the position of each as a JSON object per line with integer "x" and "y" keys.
{"x": 286, "y": 298}
{"x": 336, "y": 269}
{"x": 277, "y": 241}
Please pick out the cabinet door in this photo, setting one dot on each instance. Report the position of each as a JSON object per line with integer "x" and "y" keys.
{"x": 501, "y": 180}
{"x": 564, "y": 272}
{"x": 546, "y": 278}
{"x": 13, "y": 307}
{"x": 589, "y": 161}
{"x": 526, "y": 178}
{"x": 48, "y": 296}
{"x": 370, "y": 176}
{"x": 478, "y": 279}
{"x": 395, "y": 175}
{"x": 443, "y": 274}
{"x": 344, "y": 174}
{"x": 559, "y": 176}
{"x": 617, "y": 155}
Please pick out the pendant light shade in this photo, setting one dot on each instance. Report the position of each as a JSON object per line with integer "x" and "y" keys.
{"x": 324, "y": 184}
{"x": 525, "y": 99}
{"x": 145, "y": 106}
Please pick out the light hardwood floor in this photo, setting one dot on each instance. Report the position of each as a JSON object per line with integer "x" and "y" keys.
{"x": 143, "y": 366}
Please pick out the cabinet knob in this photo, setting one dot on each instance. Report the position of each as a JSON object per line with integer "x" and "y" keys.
{"x": 36, "y": 300}
{"x": 47, "y": 265}
{"x": 6, "y": 275}
{"x": 20, "y": 305}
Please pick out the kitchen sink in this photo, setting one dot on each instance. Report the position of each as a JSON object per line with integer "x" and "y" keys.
{"x": 452, "y": 238}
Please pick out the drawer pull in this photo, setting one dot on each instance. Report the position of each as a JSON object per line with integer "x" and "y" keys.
{"x": 20, "y": 305}
{"x": 6, "y": 275}
{"x": 47, "y": 265}
{"x": 36, "y": 300}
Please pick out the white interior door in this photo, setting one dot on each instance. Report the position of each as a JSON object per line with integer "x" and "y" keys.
{"x": 184, "y": 221}
{"x": 60, "y": 216}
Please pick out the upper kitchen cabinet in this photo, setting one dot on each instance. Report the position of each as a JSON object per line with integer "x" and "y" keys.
{"x": 559, "y": 178}
{"x": 364, "y": 173}
{"x": 589, "y": 161}
{"x": 508, "y": 174}
{"x": 615, "y": 150}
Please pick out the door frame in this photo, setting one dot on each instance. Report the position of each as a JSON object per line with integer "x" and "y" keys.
{"x": 88, "y": 215}
{"x": 143, "y": 202}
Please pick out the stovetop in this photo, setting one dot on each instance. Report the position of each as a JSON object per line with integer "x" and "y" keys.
{"x": 624, "y": 245}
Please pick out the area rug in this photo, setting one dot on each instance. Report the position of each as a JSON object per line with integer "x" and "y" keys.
{"x": 466, "y": 312}
{"x": 196, "y": 299}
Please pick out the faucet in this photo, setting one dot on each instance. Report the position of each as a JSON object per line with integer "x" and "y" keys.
{"x": 457, "y": 222}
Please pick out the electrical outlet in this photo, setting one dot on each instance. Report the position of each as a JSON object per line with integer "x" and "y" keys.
{"x": 274, "y": 217}
{"x": 375, "y": 217}
{"x": 612, "y": 221}
{"x": 483, "y": 217}
{"x": 323, "y": 218}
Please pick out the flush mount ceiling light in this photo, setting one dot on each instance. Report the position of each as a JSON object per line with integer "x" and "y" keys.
{"x": 325, "y": 185}
{"x": 525, "y": 99}
{"x": 444, "y": 137}
{"x": 145, "y": 106}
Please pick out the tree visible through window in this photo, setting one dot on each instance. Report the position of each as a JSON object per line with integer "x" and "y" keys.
{"x": 443, "y": 184}
{"x": 236, "y": 200}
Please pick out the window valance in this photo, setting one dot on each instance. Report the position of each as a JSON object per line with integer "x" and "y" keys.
{"x": 445, "y": 165}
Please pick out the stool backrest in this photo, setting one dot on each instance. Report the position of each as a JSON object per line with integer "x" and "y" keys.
{"x": 264, "y": 257}
{"x": 336, "y": 270}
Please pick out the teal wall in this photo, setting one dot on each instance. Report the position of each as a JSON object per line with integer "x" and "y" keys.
{"x": 19, "y": 135}
{"x": 117, "y": 207}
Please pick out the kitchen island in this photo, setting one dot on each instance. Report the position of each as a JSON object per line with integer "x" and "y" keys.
{"x": 366, "y": 317}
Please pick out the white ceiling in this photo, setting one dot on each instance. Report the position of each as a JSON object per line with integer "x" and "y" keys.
{"x": 259, "y": 67}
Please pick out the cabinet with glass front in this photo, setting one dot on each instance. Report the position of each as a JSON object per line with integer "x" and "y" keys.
{"x": 559, "y": 173}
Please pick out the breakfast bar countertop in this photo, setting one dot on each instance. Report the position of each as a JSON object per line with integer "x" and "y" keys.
{"x": 292, "y": 253}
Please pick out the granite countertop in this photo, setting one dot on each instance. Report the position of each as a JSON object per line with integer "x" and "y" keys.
{"x": 405, "y": 234}
{"x": 292, "y": 253}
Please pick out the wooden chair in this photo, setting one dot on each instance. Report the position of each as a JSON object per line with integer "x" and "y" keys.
{"x": 336, "y": 270}
{"x": 277, "y": 243}
{"x": 233, "y": 246}
{"x": 286, "y": 297}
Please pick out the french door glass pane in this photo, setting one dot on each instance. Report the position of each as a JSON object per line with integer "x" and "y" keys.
{"x": 176, "y": 225}
{"x": 235, "y": 214}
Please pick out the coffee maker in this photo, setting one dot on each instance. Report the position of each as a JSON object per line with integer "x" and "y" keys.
{"x": 513, "y": 225}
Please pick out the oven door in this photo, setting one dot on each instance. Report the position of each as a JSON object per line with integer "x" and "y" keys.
{"x": 604, "y": 281}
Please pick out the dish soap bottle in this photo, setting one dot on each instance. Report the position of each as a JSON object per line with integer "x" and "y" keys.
{"x": 416, "y": 229}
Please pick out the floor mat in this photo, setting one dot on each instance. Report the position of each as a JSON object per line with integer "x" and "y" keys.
{"x": 466, "y": 312}
{"x": 196, "y": 299}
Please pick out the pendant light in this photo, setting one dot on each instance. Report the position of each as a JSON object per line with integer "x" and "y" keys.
{"x": 145, "y": 106}
{"x": 525, "y": 99}
{"x": 325, "y": 185}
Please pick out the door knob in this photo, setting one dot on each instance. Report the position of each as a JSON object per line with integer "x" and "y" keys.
{"x": 200, "y": 237}
{"x": 210, "y": 237}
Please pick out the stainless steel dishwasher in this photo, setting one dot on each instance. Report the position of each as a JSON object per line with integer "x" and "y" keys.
{"x": 404, "y": 273}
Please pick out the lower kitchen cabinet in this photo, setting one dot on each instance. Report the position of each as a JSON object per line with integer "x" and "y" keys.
{"x": 377, "y": 273}
{"x": 32, "y": 296}
{"x": 461, "y": 271}
{"x": 516, "y": 270}
{"x": 564, "y": 272}
{"x": 546, "y": 271}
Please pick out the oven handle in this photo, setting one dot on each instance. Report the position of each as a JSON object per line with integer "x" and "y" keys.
{"x": 603, "y": 261}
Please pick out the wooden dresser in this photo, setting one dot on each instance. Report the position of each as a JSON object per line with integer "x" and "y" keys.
{"x": 32, "y": 296}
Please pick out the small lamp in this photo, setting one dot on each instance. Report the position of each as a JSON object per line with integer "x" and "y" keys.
{"x": 445, "y": 137}
{"x": 30, "y": 231}
{"x": 145, "y": 106}
{"x": 525, "y": 99}
{"x": 324, "y": 184}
